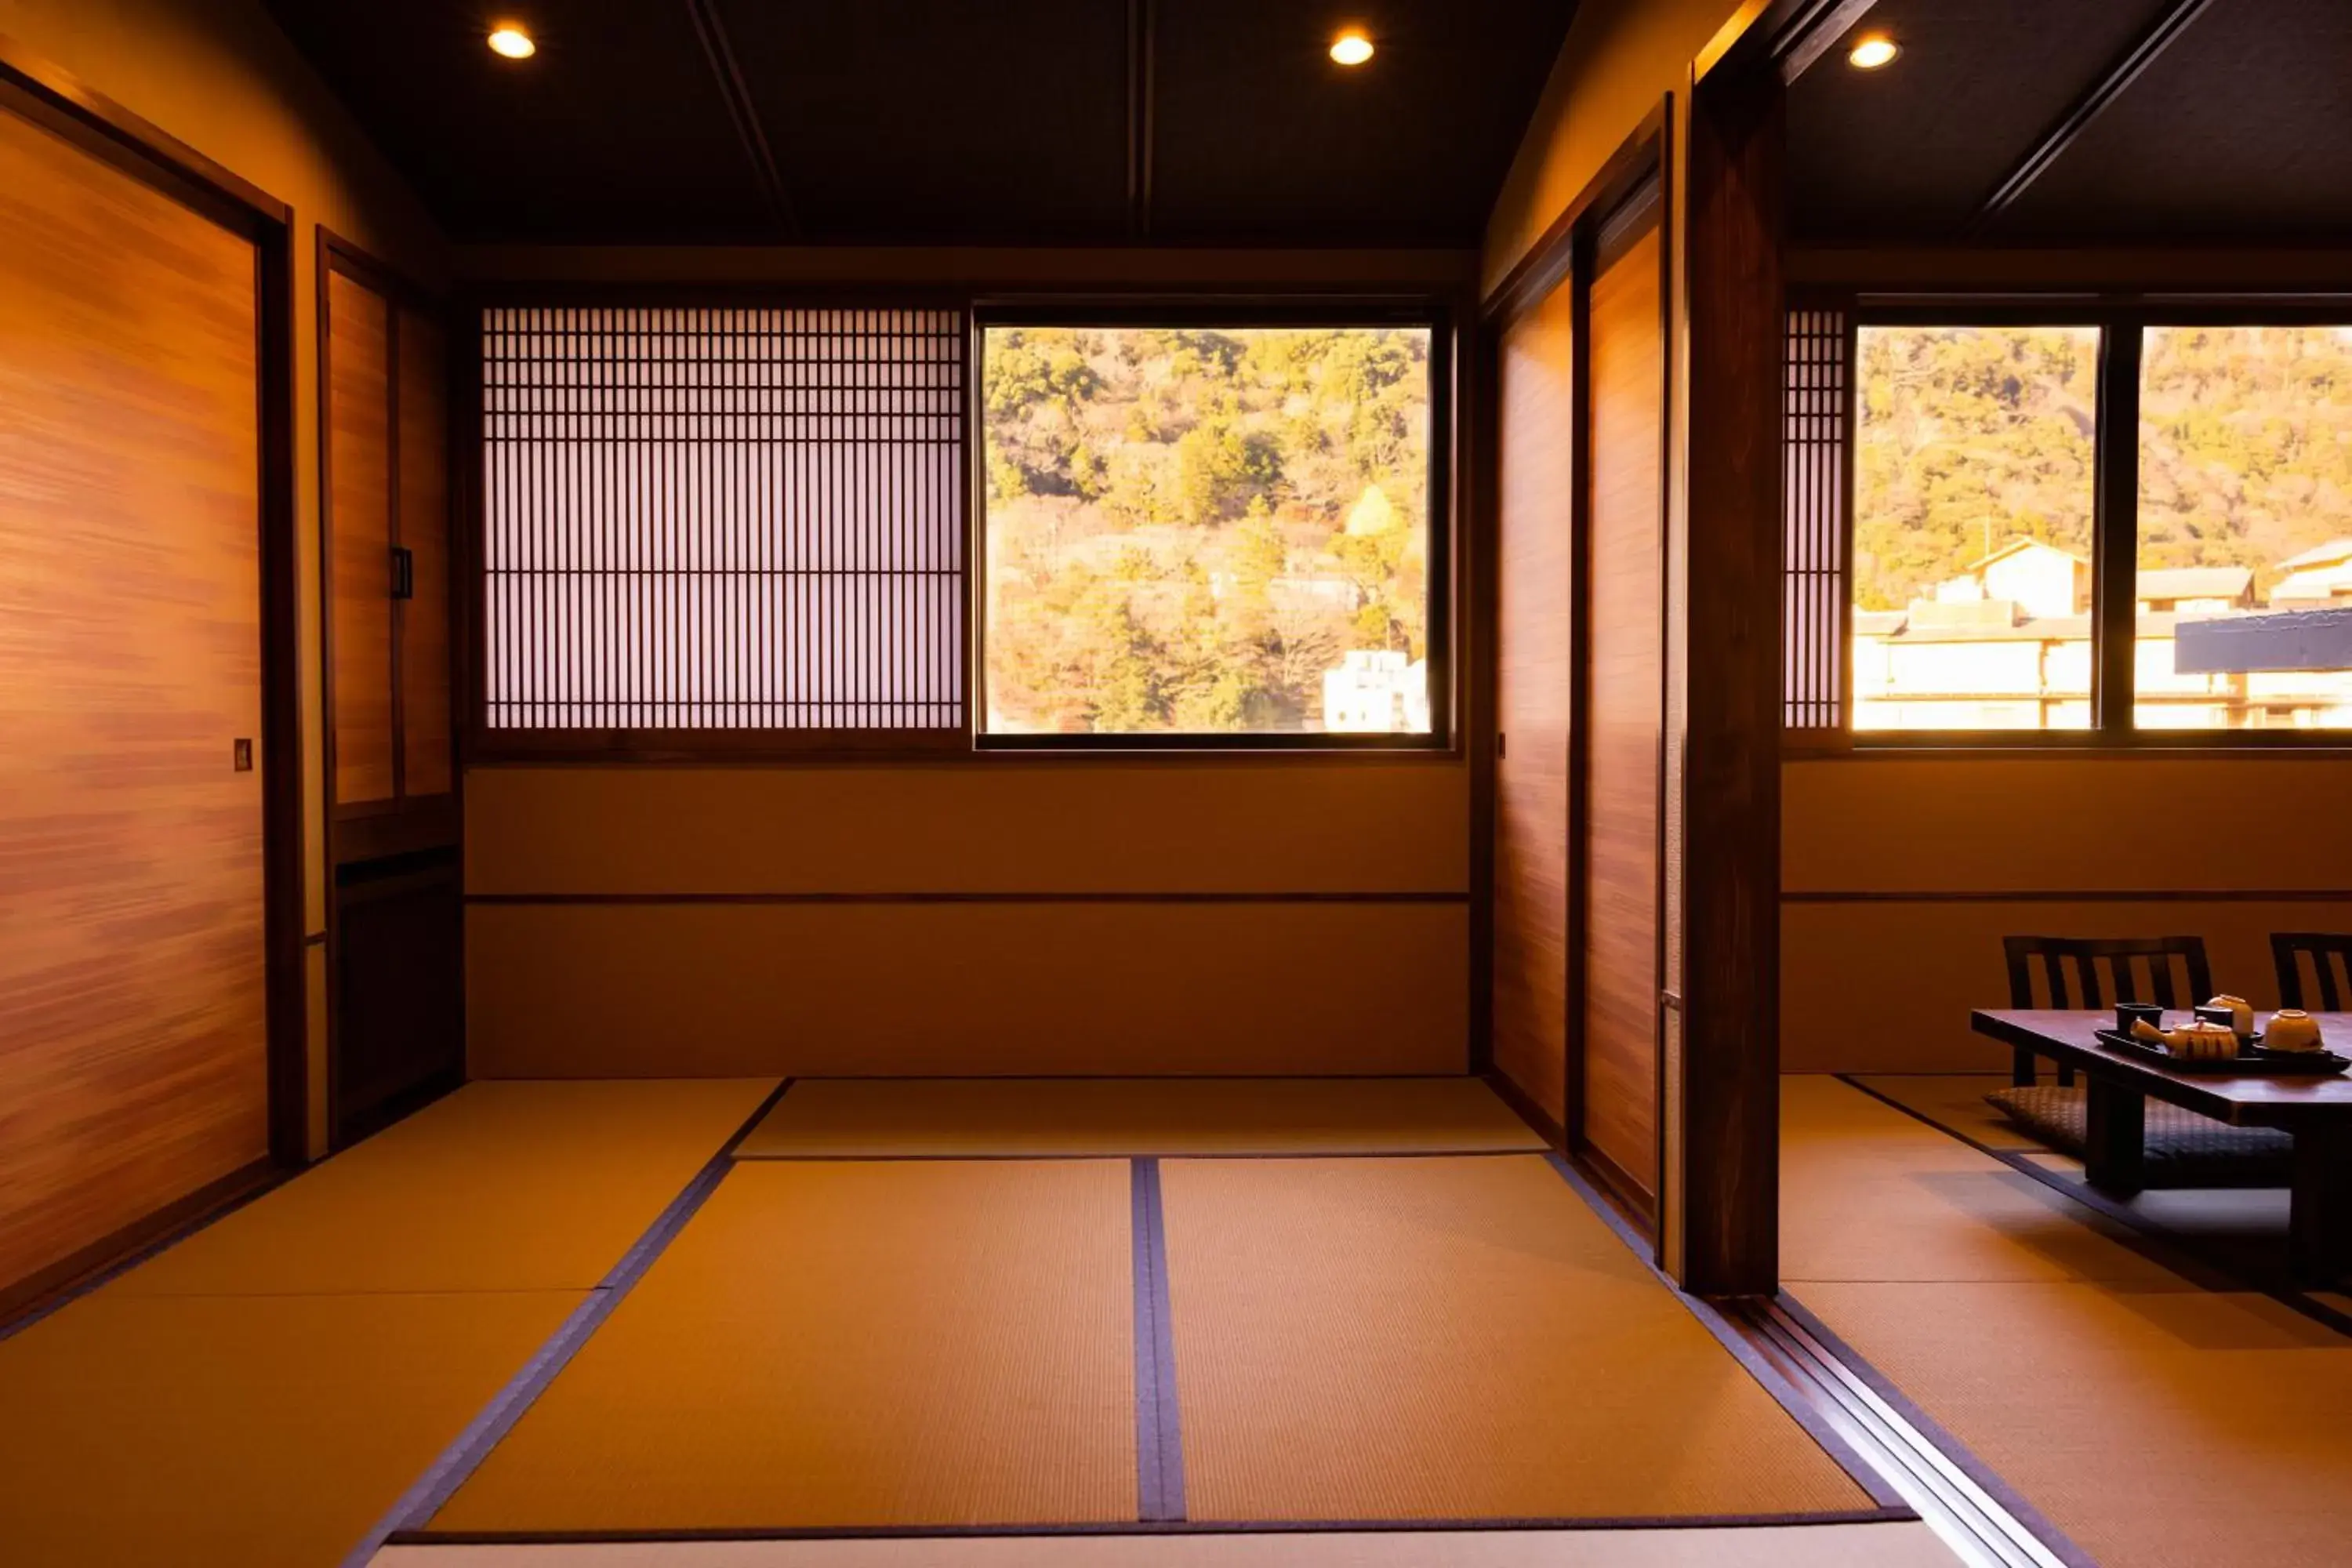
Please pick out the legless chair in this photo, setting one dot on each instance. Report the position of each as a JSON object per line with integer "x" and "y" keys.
{"x": 2328, "y": 953}
{"x": 2126, "y": 961}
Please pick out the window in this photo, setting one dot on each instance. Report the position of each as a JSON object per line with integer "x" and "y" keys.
{"x": 1974, "y": 490}
{"x": 1214, "y": 533}
{"x": 722, "y": 520}
{"x": 2119, "y": 522}
{"x": 2245, "y": 529}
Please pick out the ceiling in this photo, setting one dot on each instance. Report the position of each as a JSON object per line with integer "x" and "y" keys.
{"x": 938, "y": 122}
{"x": 2237, "y": 127}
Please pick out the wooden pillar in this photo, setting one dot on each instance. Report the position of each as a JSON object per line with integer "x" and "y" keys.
{"x": 1721, "y": 1224}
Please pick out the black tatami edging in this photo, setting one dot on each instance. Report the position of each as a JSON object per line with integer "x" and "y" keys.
{"x": 463, "y": 1456}
{"x": 1158, "y": 1425}
{"x": 2158, "y": 1243}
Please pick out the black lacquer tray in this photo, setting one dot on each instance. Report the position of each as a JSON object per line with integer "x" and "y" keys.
{"x": 2252, "y": 1059}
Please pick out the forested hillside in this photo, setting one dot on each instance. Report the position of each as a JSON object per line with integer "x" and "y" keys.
{"x": 1972, "y": 437}
{"x": 1186, "y": 529}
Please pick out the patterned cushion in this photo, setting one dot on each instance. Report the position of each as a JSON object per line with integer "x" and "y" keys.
{"x": 2184, "y": 1149}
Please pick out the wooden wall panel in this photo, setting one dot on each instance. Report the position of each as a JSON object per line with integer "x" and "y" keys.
{"x": 1001, "y": 825}
{"x": 2056, "y": 823}
{"x": 651, "y": 990}
{"x": 133, "y": 1027}
{"x": 1533, "y": 684}
{"x": 358, "y": 532}
{"x": 1887, "y": 987}
{"x": 1895, "y": 869}
{"x": 1623, "y": 709}
{"x": 424, "y": 617}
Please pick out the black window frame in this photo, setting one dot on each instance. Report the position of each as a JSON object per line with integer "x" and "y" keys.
{"x": 2123, "y": 321}
{"x": 1236, "y": 312}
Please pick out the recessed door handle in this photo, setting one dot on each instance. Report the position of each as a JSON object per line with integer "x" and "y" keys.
{"x": 404, "y": 573}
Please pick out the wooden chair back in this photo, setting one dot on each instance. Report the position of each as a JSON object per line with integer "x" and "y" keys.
{"x": 2108, "y": 970}
{"x": 2330, "y": 955}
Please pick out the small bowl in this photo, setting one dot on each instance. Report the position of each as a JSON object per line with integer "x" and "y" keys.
{"x": 2130, "y": 1012}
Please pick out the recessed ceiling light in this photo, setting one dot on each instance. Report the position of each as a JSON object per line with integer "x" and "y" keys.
{"x": 1351, "y": 47}
{"x": 511, "y": 41}
{"x": 1873, "y": 51}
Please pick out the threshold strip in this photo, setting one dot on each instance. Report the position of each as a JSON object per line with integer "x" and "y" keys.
{"x": 1965, "y": 1500}
{"x": 2164, "y": 1246}
{"x": 414, "y": 1510}
{"x": 1159, "y": 1427}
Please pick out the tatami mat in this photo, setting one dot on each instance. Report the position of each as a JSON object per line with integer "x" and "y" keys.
{"x": 1870, "y": 1193}
{"x": 247, "y": 1432}
{"x": 844, "y": 1343}
{"x": 499, "y": 1186}
{"x": 1453, "y": 1339}
{"x": 1957, "y": 1101}
{"x": 907, "y": 1118}
{"x": 1806, "y": 1546}
{"x": 2156, "y": 1423}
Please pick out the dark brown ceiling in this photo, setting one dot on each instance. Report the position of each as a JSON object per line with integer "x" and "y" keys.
{"x": 2238, "y": 128}
{"x": 944, "y": 121}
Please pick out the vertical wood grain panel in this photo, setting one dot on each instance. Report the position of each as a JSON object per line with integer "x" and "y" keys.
{"x": 134, "y": 1067}
{"x": 424, "y": 533}
{"x": 1622, "y": 709}
{"x": 359, "y": 531}
{"x": 1533, "y": 703}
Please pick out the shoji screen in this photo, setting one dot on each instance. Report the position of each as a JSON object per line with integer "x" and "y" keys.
{"x": 133, "y": 963}
{"x": 723, "y": 519}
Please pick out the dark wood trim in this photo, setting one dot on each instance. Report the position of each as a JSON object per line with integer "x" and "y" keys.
{"x": 35, "y": 1295}
{"x": 1728, "y": 1207}
{"x": 663, "y": 900}
{"x": 285, "y": 862}
{"x": 2071, "y": 896}
{"x": 727, "y": 76}
{"x": 150, "y": 148}
{"x": 1809, "y": 30}
{"x": 2037, "y": 271}
{"x": 1551, "y": 257}
{"x": 2114, "y": 535}
{"x": 1142, "y": 84}
{"x": 1478, "y": 548}
{"x": 2110, "y": 85}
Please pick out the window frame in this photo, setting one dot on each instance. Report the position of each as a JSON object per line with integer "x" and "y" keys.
{"x": 1238, "y": 311}
{"x": 2123, "y": 320}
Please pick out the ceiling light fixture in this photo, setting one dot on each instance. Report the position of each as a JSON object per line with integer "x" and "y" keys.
{"x": 1873, "y": 52}
{"x": 511, "y": 41}
{"x": 1351, "y": 47}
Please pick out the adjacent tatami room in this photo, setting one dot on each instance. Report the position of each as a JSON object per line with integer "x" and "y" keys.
{"x": 1169, "y": 783}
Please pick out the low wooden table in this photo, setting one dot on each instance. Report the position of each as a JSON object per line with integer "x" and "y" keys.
{"x": 2316, "y": 1111}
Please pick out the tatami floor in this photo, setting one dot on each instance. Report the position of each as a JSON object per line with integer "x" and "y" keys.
{"x": 1127, "y": 1322}
{"x": 2123, "y": 1377}
{"x": 1293, "y": 1324}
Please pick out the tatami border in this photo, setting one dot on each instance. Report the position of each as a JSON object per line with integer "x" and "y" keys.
{"x": 464, "y": 1455}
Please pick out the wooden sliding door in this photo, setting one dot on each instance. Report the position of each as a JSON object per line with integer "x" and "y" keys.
{"x": 134, "y": 946}
{"x": 1624, "y": 697}
{"x": 395, "y": 919}
{"x": 1533, "y": 688}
